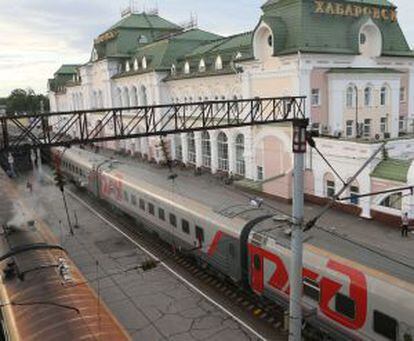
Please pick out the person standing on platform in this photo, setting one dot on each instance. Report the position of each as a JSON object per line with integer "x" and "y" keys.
{"x": 405, "y": 221}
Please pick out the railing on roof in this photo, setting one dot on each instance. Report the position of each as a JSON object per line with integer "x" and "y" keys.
{"x": 82, "y": 127}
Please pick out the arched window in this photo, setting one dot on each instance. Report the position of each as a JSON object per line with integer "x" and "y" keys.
{"x": 329, "y": 185}
{"x": 125, "y": 98}
{"x": 206, "y": 149}
{"x": 219, "y": 63}
{"x": 178, "y": 147}
{"x": 368, "y": 96}
{"x": 350, "y": 96}
{"x": 136, "y": 64}
{"x": 223, "y": 152}
{"x": 393, "y": 201}
{"x": 191, "y": 148}
{"x": 187, "y": 68}
{"x": 384, "y": 95}
{"x": 134, "y": 96}
{"x": 240, "y": 163}
{"x": 143, "y": 98}
{"x": 144, "y": 63}
{"x": 202, "y": 66}
{"x": 370, "y": 40}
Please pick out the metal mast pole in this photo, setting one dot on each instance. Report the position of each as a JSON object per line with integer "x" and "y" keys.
{"x": 299, "y": 150}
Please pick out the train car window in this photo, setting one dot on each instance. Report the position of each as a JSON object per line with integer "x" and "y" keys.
{"x": 173, "y": 220}
{"x": 126, "y": 197}
{"x": 232, "y": 252}
{"x": 142, "y": 204}
{"x": 257, "y": 262}
{"x": 199, "y": 233}
{"x": 151, "y": 209}
{"x": 133, "y": 200}
{"x": 161, "y": 214}
{"x": 311, "y": 289}
{"x": 385, "y": 325}
{"x": 345, "y": 305}
{"x": 185, "y": 225}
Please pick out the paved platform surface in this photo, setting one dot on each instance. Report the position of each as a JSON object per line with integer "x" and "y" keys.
{"x": 154, "y": 305}
{"x": 380, "y": 237}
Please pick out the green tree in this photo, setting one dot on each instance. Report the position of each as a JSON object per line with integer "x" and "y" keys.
{"x": 22, "y": 101}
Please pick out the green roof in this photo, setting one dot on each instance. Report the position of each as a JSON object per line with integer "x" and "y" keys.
{"x": 392, "y": 169}
{"x": 67, "y": 69}
{"x": 364, "y": 70}
{"x": 298, "y": 27}
{"x": 144, "y": 20}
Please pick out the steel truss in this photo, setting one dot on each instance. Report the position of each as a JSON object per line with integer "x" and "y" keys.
{"x": 82, "y": 127}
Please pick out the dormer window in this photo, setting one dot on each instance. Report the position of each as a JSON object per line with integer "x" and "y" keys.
{"x": 173, "y": 69}
{"x": 127, "y": 67}
{"x": 187, "y": 68}
{"x": 144, "y": 63}
{"x": 202, "y": 66}
{"x": 239, "y": 55}
{"x": 219, "y": 63}
{"x": 142, "y": 39}
{"x": 136, "y": 66}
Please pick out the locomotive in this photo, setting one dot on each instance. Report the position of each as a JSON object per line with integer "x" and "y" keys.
{"x": 348, "y": 290}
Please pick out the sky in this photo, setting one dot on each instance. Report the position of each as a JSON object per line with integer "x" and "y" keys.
{"x": 37, "y": 36}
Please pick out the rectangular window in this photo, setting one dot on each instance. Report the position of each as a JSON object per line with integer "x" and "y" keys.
{"x": 133, "y": 200}
{"x": 173, "y": 220}
{"x": 402, "y": 94}
{"x": 161, "y": 214}
{"x": 354, "y": 191}
{"x": 199, "y": 233}
{"x": 311, "y": 289}
{"x": 330, "y": 188}
{"x": 185, "y": 226}
{"x": 383, "y": 125}
{"x": 385, "y": 325}
{"x": 151, "y": 209}
{"x": 260, "y": 173}
{"x": 401, "y": 123}
{"x": 142, "y": 204}
{"x": 315, "y": 97}
{"x": 349, "y": 128}
{"x": 367, "y": 128}
{"x": 345, "y": 305}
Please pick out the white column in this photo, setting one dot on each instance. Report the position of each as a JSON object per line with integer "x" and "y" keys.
{"x": 364, "y": 181}
{"x": 249, "y": 146}
{"x": 172, "y": 144}
{"x": 410, "y": 94}
{"x": 232, "y": 152}
{"x": 184, "y": 144}
{"x": 305, "y": 89}
{"x": 214, "y": 152}
{"x": 246, "y": 86}
{"x": 199, "y": 149}
{"x": 395, "y": 108}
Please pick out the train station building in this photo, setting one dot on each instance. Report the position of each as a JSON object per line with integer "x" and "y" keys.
{"x": 350, "y": 58}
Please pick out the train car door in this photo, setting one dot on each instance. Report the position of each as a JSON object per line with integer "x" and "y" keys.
{"x": 256, "y": 273}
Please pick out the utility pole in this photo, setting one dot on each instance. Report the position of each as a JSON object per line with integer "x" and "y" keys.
{"x": 295, "y": 311}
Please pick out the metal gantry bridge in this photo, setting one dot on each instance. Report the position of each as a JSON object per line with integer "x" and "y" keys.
{"x": 56, "y": 129}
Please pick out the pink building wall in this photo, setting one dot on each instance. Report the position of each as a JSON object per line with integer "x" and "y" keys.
{"x": 319, "y": 80}
{"x": 405, "y": 84}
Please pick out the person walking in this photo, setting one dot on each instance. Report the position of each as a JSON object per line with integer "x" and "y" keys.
{"x": 404, "y": 225}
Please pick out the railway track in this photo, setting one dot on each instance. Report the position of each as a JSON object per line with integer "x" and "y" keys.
{"x": 255, "y": 309}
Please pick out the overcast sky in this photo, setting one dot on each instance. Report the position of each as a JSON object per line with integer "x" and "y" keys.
{"x": 37, "y": 36}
